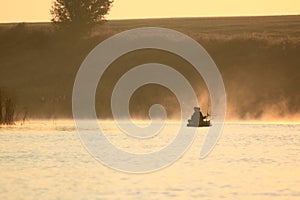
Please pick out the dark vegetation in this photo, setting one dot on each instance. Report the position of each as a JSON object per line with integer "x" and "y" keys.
{"x": 79, "y": 14}
{"x": 258, "y": 58}
{"x": 7, "y": 109}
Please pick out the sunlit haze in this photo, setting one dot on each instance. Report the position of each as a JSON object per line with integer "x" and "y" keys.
{"x": 38, "y": 10}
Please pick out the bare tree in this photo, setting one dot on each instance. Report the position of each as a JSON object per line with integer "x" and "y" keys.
{"x": 7, "y": 110}
{"x": 1, "y": 115}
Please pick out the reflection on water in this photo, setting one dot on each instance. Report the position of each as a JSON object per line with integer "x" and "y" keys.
{"x": 251, "y": 161}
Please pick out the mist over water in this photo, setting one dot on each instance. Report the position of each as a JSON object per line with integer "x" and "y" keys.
{"x": 254, "y": 158}
{"x": 257, "y": 57}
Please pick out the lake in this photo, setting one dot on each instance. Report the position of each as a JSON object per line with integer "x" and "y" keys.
{"x": 46, "y": 160}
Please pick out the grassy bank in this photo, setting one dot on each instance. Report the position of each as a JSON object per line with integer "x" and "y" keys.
{"x": 258, "y": 58}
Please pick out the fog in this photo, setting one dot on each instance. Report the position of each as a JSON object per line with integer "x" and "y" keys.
{"x": 259, "y": 65}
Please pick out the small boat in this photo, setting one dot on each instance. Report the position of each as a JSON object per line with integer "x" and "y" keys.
{"x": 198, "y": 120}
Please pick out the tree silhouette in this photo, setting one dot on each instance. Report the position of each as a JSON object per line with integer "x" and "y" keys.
{"x": 79, "y": 12}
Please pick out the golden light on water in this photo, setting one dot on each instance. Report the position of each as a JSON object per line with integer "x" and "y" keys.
{"x": 250, "y": 162}
{"x": 256, "y": 157}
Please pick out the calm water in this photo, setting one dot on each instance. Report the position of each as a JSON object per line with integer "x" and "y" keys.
{"x": 251, "y": 161}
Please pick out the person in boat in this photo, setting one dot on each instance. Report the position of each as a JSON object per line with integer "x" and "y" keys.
{"x": 197, "y": 119}
{"x": 194, "y": 121}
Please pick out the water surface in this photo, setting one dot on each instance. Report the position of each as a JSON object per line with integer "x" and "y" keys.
{"x": 251, "y": 161}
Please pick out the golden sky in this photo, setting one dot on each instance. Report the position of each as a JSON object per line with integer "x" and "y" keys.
{"x": 38, "y": 10}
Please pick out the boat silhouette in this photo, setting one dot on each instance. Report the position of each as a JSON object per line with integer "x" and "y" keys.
{"x": 198, "y": 119}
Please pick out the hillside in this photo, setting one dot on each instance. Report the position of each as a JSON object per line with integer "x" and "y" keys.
{"x": 258, "y": 57}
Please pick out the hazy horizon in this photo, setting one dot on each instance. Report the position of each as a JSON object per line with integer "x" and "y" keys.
{"x": 258, "y": 65}
{"x": 166, "y": 18}
{"x": 38, "y": 11}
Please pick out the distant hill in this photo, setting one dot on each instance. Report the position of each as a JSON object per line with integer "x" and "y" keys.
{"x": 259, "y": 59}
